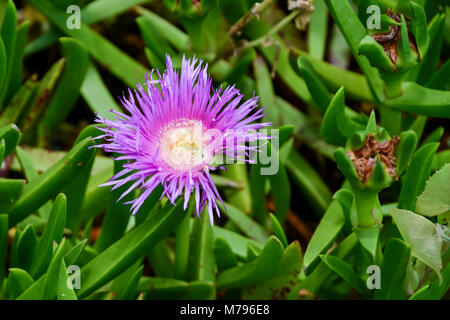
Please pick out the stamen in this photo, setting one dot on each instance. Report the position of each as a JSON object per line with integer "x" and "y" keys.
{"x": 185, "y": 146}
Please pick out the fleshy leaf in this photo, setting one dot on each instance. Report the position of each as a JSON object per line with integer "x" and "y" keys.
{"x": 394, "y": 271}
{"x": 435, "y": 199}
{"x": 253, "y": 272}
{"x": 422, "y": 236}
{"x": 284, "y": 279}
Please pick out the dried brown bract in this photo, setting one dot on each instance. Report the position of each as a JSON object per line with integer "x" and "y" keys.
{"x": 365, "y": 157}
{"x": 389, "y": 41}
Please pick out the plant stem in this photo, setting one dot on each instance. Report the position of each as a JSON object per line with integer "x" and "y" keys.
{"x": 280, "y": 25}
{"x": 257, "y": 8}
{"x": 366, "y": 202}
{"x": 182, "y": 247}
{"x": 393, "y": 81}
{"x": 392, "y": 119}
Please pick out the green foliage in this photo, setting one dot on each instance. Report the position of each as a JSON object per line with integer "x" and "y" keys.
{"x": 323, "y": 92}
{"x": 434, "y": 199}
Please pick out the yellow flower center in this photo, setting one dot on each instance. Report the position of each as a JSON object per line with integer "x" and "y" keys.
{"x": 185, "y": 145}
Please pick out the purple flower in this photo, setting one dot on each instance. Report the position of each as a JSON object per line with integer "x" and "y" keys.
{"x": 175, "y": 129}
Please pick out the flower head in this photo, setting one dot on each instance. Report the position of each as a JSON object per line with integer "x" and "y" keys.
{"x": 175, "y": 127}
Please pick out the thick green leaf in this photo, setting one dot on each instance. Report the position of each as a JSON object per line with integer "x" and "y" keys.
{"x": 375, "y": 53}
{"x": 435, "y": 135}
{"x": 3, "y": 63}
{"x": 252, "y": 229}
{"x": 3, "y": 5}
{"x": 258, "y": 192}
{"x": 96, "y": 94}
{"x": 322, "y": 273}
{"x": 133, "y": 245}
{"x": 407, "y": 145}
{"x": 265, "y": 91}
{"x": 440, "y": 159}
{"x": 40, "y": 190}
{"x": 421, "y": 100}
{"x": 284, "y": 279}
{"x": 72, "y": 255}
{"x": 326, "y": 232}
{"x": 31, "y": 117}
{"x": 117, "y": 286}
{"x": 42, "y": 42}
{"x": 15, "y": 69}
{"x": 239, "y": 198}
{"x": 421, "y": 235}
{"x": 53, "y": 233}
{"x": 3, "y": 246}
{"x": 25, "y": 247}
{"x": 336, "y": 125}
{"x": 67, "y": 90}
{"x": 120, "y": 64}
{"x": 407, "y": 58}
{"x": 76, "y": 189}
{"x": 225, "y": 258}
{"x": 368, "y": 238}
{"x": 34, "y": 291}
{"x": 31, "y": 174}
{"x": 103, "y": 9}
{"x": 309, "y": 182}
{"x": 202, "y": 265}
{"x": 43, "y": 159}
{"x": 182, "y": 244}
{"x": 160, "y": 258}
{"x": 280, "y": 54}
{"x": 252, "y": 253}
{"x": 281, "y": 187}
{"x": 18, "y": 281}
{"x": 2, "y": 150}
{"x": 394, "y": 271}
{"x": 418, "y": 28}
{"x": 278, "y": 230}
{"x": 339, "y": 52}
{"x": 91, "y": 13}
{"x": 10, "y": 191}
{"x": 130, "y": 291}
{"x": 304, "y": 130}
{"x": 253, "y": 272}
{"x": 52, "y": 276}
{"x": 354, "y": 31}
{"x": 346, "y": 198}
{"x": 157, "y": 46}
{"x": 8, "y": 35}
{"x": 346, "y": 272}
{"x": 27, "y": 166}
{"x": 94, "y": 203}
{"x": 317, "y": 30}
{"x": 63, "y": 291}
{"x": 430, "y": 61}
{"x": 174, "y": 35}
{"x": 318, "y": 91}
{"x": 117, "y": 214}
{"x": 416, "y": 176}
{"x": 162, "y": 288}
{"x": 237, "y": 242}
{"x": 11, "y": 134}
{"x": 418, "y": 125}
{"x": 439, "y": 79}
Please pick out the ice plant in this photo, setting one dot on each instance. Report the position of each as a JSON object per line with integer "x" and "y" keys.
{"x": 175, "y": 128}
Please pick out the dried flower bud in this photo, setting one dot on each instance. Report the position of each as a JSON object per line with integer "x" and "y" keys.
{"x": 365, "y": 157}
